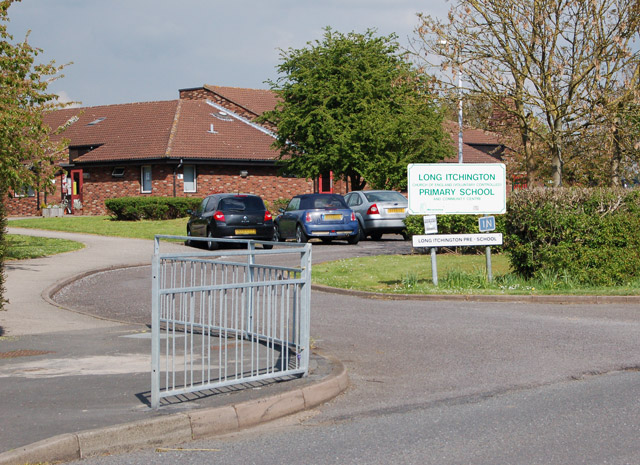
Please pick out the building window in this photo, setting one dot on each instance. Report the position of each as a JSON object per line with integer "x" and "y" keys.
{"x": 25, "y": 191}
{"x": 189, "y": 178}
{"x": 118, "y": 172}
{"x": 145, "y": 184}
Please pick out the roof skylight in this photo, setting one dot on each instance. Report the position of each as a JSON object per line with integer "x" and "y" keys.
{"x": 222, "y": 115}
{"x": 96, "y": 121}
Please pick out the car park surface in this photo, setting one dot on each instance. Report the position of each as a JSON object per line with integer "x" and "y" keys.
{"x": 323, "y": 216}
{"x": 231, "y": 216}
{"x": 379, "y": 212}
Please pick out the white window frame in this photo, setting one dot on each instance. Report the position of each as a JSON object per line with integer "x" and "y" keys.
{"x": 189, "y": 186}
{"x": 143, "y": 170}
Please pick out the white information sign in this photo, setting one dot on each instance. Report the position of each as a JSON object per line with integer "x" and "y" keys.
{"x": 430, "y": 224}
{"x": 457, "y": 240}
{"x": 457, "y": 188}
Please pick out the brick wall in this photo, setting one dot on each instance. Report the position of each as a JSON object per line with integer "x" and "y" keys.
{"x": 99, "y": 185}
{"x": 30, "y": 206}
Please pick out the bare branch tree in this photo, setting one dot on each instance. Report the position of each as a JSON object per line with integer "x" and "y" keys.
{"x": 553, "y": 66}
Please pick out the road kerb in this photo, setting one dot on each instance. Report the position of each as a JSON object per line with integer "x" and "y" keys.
{"x": 62, "y": 448}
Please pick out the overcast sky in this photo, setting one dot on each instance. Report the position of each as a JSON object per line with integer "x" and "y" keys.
{"x": 146, "y": 50}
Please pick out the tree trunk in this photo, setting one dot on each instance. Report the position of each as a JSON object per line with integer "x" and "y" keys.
{"x": 3, "y": 246}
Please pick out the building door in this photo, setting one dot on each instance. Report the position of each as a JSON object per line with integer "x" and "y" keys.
{"x": 325, "y": 183}
{"x": 76, "y": 190}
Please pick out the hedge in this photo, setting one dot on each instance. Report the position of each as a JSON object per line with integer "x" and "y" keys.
{"x": 590, "y": 235}
{"x": 151, "y": 208}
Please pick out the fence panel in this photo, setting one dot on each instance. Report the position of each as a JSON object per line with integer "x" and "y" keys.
{"x": 228, "y": 317}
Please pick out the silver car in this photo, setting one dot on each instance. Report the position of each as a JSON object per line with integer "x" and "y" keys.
{"x": 379, "y": 212}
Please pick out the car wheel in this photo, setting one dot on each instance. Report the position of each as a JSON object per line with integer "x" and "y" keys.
{"x": 276, "y": 235}
{"x": 376, "y": 236}
{"x": 188, "y": 242}
{"x": 301, "y": 236}
{"x": 353, "y": 240}
{"x": 362, "y": 235}
{"x": 211, "y": 245}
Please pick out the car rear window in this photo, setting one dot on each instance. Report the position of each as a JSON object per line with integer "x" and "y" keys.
{"x": 241, "y": 204}
{"x": 385, "y": 197}
{"x": 323, "y": 202}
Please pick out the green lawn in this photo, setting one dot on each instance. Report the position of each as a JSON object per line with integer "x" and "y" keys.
{"x": 457, "y": 274}
{"x": 105, "y": 226}
{"x": 24, "y": 247}
{"x": 405, "y": 274}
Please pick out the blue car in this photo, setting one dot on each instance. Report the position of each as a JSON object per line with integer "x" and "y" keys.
{"x": 323, "y": 216}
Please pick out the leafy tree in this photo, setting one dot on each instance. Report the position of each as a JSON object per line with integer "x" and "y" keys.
{"x": 27, "y": 155}
{"x": 354, "y": 105}
{"x": 556, "y": 66}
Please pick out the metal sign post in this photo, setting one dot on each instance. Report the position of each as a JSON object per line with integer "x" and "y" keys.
{"x": 431, "y": 227}
{"x": 487, "y": 223}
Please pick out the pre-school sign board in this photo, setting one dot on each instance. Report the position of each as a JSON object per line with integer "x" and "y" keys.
{"x": 457, "y": 188}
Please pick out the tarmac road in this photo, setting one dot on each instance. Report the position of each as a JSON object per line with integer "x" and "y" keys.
{"x": 448, "y": 382}
{"x": 440, "y": 382}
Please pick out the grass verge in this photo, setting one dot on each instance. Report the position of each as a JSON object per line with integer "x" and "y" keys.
{"x": 457, "y": 274}
{"x": 25, "y": 247}
{"x": 105, "y": 226}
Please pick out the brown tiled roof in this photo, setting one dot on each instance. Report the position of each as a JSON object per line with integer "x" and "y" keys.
{"x": 256, "y": 101}
{"x": 182, "y": 129}
{"x": 155, "y": 130}
{"x": 472, "y": 138}
{"x": 131, "y": 131}
{"x": 231, "y": 138}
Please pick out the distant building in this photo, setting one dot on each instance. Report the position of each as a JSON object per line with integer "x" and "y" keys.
{"x": 204, "y": 142}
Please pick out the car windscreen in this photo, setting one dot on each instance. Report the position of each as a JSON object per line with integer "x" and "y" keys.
{"x": 241, "y": 204}
{"x": 329, "y": 202}
{"x": 389, "y": 196}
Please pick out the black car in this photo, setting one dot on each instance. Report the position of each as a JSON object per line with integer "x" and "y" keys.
{"x": 231, "y": 216}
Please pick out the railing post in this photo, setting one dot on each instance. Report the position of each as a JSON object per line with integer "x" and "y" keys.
{"x": 305, "y": 309}
{"x": 251, "y": 261}
{"x": 155, "y": 325}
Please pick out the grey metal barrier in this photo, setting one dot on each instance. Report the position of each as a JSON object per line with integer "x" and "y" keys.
{"x": 228, "y": 317}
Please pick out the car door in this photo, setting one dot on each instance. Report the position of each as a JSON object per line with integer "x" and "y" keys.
{"x": 203, "y": 216}
{"x": 288, "y": 219}
{"x": 354, "y": 202}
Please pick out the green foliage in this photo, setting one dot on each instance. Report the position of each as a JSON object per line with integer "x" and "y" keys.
{"x": 27, "y": 155}
{"x": 456, "y": 224}
{"x": 275, "y": 206}
{"x": 151, "y": 208}
{"x": 589, "y": 236}
{"x": 354, "y": 105}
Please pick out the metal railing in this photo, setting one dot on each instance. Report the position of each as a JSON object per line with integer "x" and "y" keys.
{"x": 228, "y": 317}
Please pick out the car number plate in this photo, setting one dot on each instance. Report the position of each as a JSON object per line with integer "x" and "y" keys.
{"x": 332, "y": 217}
{"x": 395, "y": 210}
{"x": 240, "y": 232}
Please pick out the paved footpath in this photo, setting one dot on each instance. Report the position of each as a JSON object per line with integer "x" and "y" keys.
{"x": 73, "y": 386}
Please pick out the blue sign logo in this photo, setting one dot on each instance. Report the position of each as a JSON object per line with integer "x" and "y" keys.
{"x": 486, "y": 223}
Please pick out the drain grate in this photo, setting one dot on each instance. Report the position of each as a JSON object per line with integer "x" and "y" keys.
{"x": 23, "y": 353}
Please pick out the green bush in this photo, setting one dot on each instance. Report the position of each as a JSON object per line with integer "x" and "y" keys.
{"x": 275, "y": 205}
{"x": 455, "y": 224}
{"x": 588, "y": 235}
{"x": 151, "y": 208}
